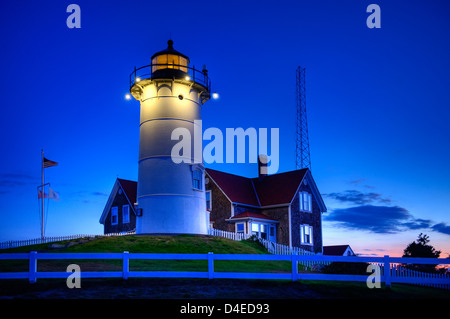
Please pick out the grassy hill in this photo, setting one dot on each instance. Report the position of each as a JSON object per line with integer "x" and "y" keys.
{"x": 150, "y": 244}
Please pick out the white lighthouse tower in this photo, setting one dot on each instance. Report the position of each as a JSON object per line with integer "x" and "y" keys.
{"x": 170, "y": 195}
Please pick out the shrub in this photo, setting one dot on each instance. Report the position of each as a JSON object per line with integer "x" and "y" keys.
{"x": 346, "y": 268}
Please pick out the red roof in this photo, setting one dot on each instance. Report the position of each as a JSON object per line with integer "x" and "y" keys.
{"x": 239, "y": 189}
{"x": 130, "y": 189}
{"x": 278, "y": 188}
{"x": 251, "y": 215}
{"x": 270, "y": 190}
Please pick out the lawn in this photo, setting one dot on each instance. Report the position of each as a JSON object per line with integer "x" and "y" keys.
{"x": 151, "y": 244}
{"x": 183, "y": 288}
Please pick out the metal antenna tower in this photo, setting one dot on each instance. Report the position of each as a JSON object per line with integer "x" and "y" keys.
{"x": 302, "y": 156}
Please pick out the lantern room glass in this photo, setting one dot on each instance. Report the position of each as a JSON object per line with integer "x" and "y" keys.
{"x": 169, "y": 61}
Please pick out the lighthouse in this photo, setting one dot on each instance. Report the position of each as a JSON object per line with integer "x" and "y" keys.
{"x": 171, "y": 190}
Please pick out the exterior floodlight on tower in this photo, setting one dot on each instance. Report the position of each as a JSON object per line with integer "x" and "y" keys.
{"x": 171, "y": 191}
{"x": 302, "y": 155}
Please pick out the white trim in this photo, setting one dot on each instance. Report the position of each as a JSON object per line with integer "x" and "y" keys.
{"x": 108, "y": 205}
{"x": 349, "y": 249}
{"x": 290, "y": 226}
{"x": 256, "y": 219}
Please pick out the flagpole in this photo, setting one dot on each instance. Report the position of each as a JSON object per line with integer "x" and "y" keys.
{"x": 42, "y": 194}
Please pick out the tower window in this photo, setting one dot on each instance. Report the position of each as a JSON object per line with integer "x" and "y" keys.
{"x": 197, "y": 179}
{"x": 208, "y": 200}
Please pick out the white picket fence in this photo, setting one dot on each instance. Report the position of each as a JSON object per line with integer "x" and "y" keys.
{"x": 401, "y": 274}
{"x": 398, "y": 273}
{"x": 228, "y": 234}
{"x": 45, "y": 240}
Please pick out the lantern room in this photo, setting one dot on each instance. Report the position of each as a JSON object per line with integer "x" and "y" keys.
{"x": 169, "y": 59}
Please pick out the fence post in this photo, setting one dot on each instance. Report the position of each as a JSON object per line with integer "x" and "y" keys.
{"x": 210, "y": 265}
{"x": 32, "y": 267}
{"x": 387, "y": 272}
{"x": 294, "y": 267}
{"x": 126, "y": 265}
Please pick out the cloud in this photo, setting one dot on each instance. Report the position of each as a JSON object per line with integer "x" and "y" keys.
{"x": 359, "y": 182}
{"x": 99, "y": 194}
{"x": 441, "y": 228}
{"x": 376, "y": 219}
{"x": 358, "y": 198}
{"x": 11, "y": 180}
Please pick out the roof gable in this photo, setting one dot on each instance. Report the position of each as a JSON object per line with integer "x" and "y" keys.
{"x": 129, "y": 188}
{"x": 336, "y": 250}
{"x": 277, "y": 189}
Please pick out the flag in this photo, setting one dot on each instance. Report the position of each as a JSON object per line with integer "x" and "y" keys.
{"x": 40, "y": 194}
{"x": 49, "y": 163}
{"x": 52, "y": 194}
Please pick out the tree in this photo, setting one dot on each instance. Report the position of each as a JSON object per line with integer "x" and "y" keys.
{"x": 420, "y": 248}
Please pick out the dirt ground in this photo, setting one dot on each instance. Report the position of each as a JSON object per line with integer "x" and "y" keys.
{"x": 162, "y": 288}
{"x": 167, "y": 297}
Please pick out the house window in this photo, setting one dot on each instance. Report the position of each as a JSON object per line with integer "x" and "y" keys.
{"x": 255, "y": 229}
{"x": 114, "y": 216}
{"x": 208, "y": 200}
{"x": 240, "y": 227}
{"x": 260, "y": 230}
{"x": 197, "y": 179}
{"x": 125, "y": 214}
{"x": 305, "y": 202}
{"x": 306, "y": 235}
{"x": 264, "y": 230}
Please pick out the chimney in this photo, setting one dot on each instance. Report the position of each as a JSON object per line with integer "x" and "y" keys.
{"x": 262, "y": 166}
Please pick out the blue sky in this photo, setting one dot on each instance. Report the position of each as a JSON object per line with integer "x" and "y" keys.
{"x": 377, "y": 102}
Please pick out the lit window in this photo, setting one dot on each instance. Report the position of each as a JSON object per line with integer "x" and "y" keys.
{"x": 169, "y": 61}
{"x": 125, "y": 214}
{"x": 114, "y": 216}
{"x": 255, "y": 229}
{"x": 208, "y": 200}
{"x": 306, "y": 234}
{"x": 197, "y": 179}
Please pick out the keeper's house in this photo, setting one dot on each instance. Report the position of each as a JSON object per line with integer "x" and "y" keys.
{"x": 285, "y": 208}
